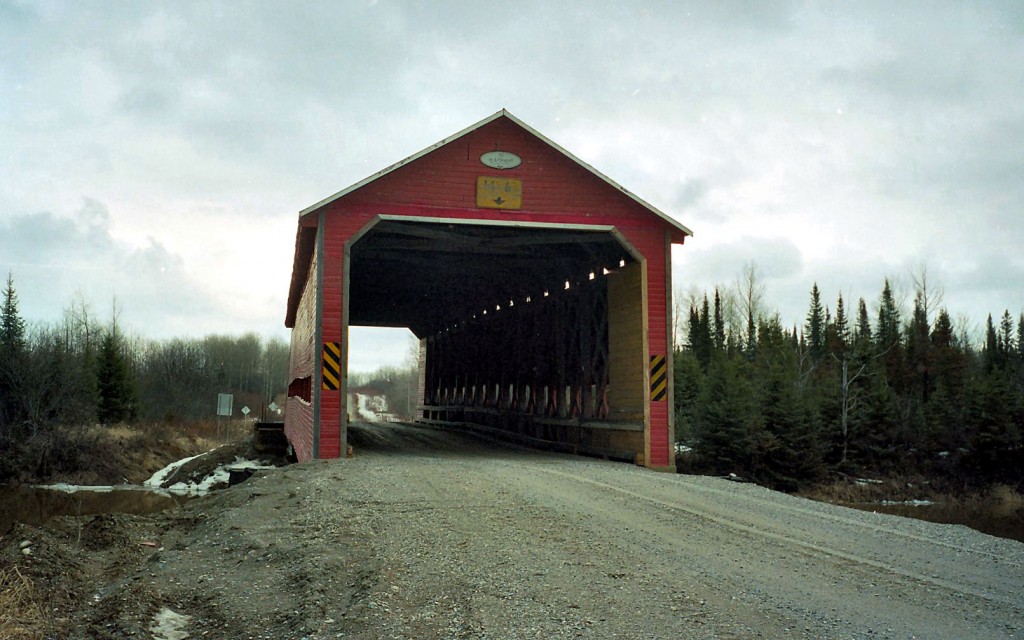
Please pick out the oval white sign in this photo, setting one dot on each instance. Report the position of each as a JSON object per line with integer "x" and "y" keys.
{"x": 501, "y": 160}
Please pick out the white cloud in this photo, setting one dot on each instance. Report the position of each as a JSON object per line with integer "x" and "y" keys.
{"x": 831, "y": 143}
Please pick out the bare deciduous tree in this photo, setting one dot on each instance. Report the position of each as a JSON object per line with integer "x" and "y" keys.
{"x": 750, "y": 293}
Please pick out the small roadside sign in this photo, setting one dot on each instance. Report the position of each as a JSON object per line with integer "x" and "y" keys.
{"x": 225, "y": 401}
{"x": 245, "y": 411}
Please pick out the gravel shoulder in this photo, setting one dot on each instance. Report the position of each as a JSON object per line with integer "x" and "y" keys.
{"x": 432, "y": 534}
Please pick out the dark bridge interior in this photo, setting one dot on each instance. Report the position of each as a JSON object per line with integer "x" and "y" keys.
{"x": 433, "y": 276}
{"x": 530, "y": 332}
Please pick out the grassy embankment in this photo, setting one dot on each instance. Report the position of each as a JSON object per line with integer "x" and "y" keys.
{"x": 102, "y": 455}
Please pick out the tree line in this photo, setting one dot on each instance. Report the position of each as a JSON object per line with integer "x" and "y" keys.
{"x": 849, "y": 392}
{"x": 81, "y": 371}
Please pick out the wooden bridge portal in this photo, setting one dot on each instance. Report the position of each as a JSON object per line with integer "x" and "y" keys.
{"x": 539, "y": 289}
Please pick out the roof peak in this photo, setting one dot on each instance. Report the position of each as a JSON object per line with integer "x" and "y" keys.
{"x": 501, "y": 113}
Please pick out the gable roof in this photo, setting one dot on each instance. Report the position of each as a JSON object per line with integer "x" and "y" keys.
{"x": 503, "y": 113}
{"x": 307, "y": 224}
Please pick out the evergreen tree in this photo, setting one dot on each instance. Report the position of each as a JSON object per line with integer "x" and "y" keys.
{"x": 873, "y": 441}
{"x": 1020, "y": 337}
{"x": 888, "y": 320}
{"x": 701, "y": 342}
{"x": 693, "y": 327}
{"x": 862, "y": 337}
{"x": 839, "y": 333}
{"x": 731, "y": 437}
{"x": 887, "y": 339}
{"x": 790, "y": 452}
{"x": 944, "y": 409}
{"x": 13, "y": 360}
{"x": 719, "y": 334}
{"x": 994, "y": 441}
{"x": 116, "y": 395}
{"x": 990, "y": 352}
{"x": 1006, "y": 346}
{"x": 689, "y": 382}
{"x": 814, "y": 327}
{"x": 919, "y": 348}
{"x": 12, "y": 326}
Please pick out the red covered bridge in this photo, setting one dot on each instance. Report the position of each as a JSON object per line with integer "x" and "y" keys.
{"x": 540, "y": 291}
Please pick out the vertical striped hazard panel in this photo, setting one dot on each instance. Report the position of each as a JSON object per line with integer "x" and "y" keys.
{"x": 659, "y": 378}
{"x": 332, "y": 366}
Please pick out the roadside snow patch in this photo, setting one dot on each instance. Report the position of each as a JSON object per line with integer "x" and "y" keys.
{"x": 74, "y": 488}
{"x": 168, "y": 625}
{"x": 220, "y": 476}
{"x": 157, "y": 478}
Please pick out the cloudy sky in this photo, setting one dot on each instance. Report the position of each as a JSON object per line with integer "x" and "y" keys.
{"x": 158, "y": 153}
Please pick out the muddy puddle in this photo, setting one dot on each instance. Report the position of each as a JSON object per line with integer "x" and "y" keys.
{"x": 1004, "y": 521}
{"x": 36, "y": 505}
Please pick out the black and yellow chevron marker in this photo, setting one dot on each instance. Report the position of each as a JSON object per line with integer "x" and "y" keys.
{"x": 332, "y": 366}
{"x": 659, "y": 378}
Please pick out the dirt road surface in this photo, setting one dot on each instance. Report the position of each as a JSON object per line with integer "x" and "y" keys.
{"x": 429, "y": 534}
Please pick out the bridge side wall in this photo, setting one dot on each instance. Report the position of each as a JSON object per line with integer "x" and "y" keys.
{"x": 298, "y": 415}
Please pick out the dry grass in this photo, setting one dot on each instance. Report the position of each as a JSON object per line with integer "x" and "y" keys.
{"x": 1000, "y": 500}
{"x": 1008, "y": 497}
{"x": 846, "y": 490}
{"x": 113, "y": 454}
{"x": 22, "y": 615}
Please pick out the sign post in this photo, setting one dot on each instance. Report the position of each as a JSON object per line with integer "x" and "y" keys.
{"x": 225, "y": 401}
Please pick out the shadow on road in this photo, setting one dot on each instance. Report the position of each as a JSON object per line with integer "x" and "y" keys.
{"x": 397, "y": 438}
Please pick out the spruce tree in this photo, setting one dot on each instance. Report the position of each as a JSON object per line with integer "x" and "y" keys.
{"x": 1020, "y": 337}
{"x": 919, "y": 347}
{"x": 12, "y": 326}
{"x": 13, "y": 360}
{"x": 700, "y": 334}
{"x": 888, "y": 320}
{"x": 994, "y": 441}
{"x": 840, "y": 334}
{"x": 693, "y": 327}
{"x": 888, "y": 341}
{"x": 1006, "y": 335}
{"x": 862, "y": 337}
{"x": 814, "y": 328}
{"x": 790, "y": 453}
{"x": 731, "y": 435}
{"x": 689, "y": 381}
{"x": 116, "y": 396}
{"x": 990, "y": 353}
{"x": 944, "y": 410}
{"x": 719, "y": 334}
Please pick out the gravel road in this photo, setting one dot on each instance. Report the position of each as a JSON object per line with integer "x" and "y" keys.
{"x": 429, "y": 534}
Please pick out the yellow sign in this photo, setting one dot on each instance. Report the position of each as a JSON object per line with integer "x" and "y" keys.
{"x": 331, "y": 378}
{"x": 659, "y": 378}
{"x": 499, "y": 193}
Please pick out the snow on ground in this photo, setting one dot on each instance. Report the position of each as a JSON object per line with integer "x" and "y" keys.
{"x": 74, "y": 488}
{"x": 158, "y": 478}
{"x": 169, "y": 625}
{"x": 373, "y": 408}
{"x": 220, "y": 476}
